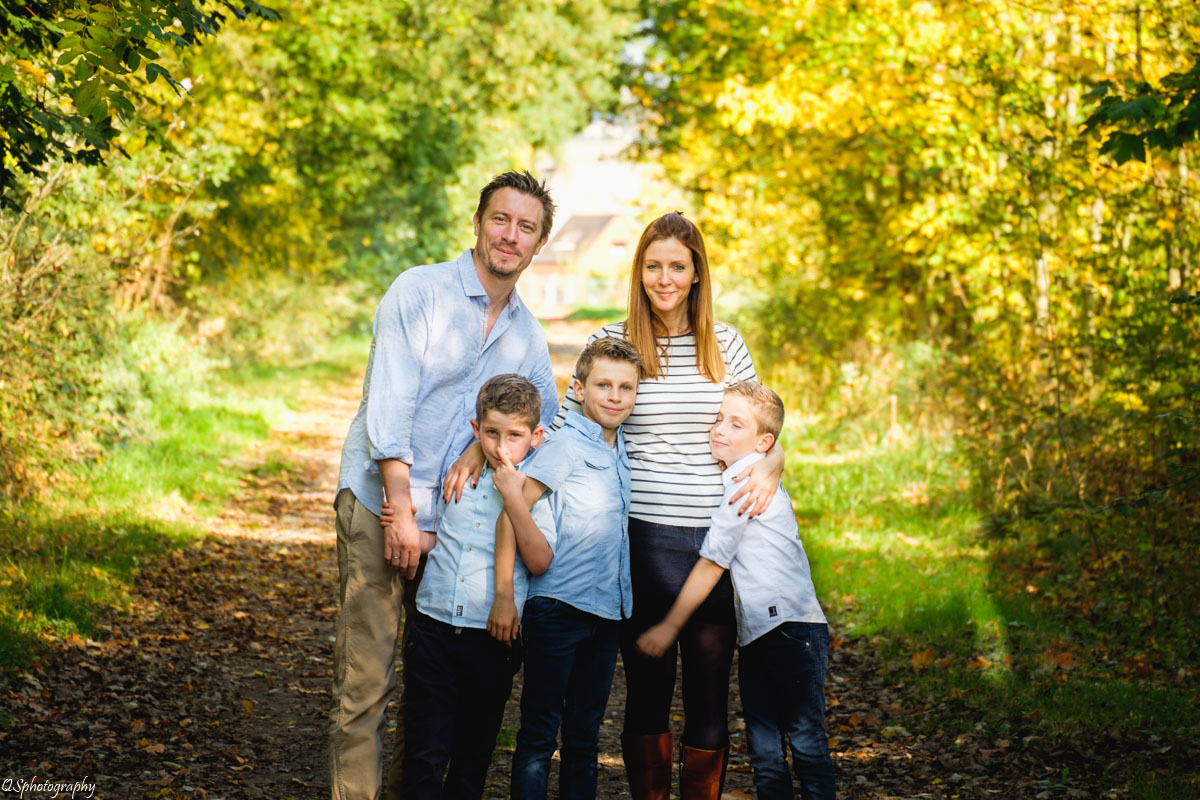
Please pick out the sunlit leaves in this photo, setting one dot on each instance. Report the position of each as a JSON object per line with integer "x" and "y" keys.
{"x": 80, "y": 74}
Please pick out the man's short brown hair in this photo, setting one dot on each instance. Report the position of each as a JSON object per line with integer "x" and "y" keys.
{"x": 510, "y": 394}
{"x": 526, "y": 184}
{"x": 607, "y": 347}
{"x": 768, "y": 408}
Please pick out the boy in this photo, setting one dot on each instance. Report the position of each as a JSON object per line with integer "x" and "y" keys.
{"x": 459, "y": 678}
{"x": 782, "y": 630}
{"x": 570, "y": 628}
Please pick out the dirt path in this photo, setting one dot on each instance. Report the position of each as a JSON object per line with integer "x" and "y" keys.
{"x": 216, "y": 685}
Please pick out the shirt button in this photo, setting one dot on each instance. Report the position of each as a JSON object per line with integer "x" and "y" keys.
{"x": 476, "y": 524}
{"x": 468, "y": 549}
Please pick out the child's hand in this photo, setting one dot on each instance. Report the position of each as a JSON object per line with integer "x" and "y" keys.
{"x": 503, "y": 620}
{"x": 387, "y": 515}
{"x": 509, "y": 482}
{"x": 656, "y": 641}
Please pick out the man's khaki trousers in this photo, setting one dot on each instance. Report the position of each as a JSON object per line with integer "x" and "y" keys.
{"x": 374, "y": 600}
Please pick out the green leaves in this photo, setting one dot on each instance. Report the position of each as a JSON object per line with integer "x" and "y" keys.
{"x": 1124, "y": 147}
{"x": 87, "y": 54}
{"x": 1164, "y": 117}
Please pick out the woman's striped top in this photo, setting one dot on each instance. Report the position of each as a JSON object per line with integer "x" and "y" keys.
{"x": 676, "y": 481}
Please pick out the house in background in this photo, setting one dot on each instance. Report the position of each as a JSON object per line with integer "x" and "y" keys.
{"x": 604, "y": 200}
{"x": 585, "y": 264}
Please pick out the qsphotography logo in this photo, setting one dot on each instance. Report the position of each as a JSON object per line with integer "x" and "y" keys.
{"x": 41, "y": 787}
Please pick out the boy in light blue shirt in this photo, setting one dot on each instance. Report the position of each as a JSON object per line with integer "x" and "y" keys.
{"x": 570, "y": 628}
{"x": 459, "y": 677}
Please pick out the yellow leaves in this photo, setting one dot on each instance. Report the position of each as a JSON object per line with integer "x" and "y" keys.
{"x": 248, "y": 704}
{"x": 1129, "y": 401}
{"x": 1058, "y": 657}
{"x": 922, "y": 659}
{"x": 916, "y": 493}
{"x": 979, "y": 662}
{"x": 37, "y": 73}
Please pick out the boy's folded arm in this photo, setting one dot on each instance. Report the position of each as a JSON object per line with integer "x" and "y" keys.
{"x": 531, "y": 541}
{"x": 503, "y": 618}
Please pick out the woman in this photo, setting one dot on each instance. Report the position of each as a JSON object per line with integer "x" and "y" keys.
{"x": 687, "y": 361}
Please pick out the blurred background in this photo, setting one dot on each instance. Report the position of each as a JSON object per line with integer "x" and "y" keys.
{"x": 961, "y": 239}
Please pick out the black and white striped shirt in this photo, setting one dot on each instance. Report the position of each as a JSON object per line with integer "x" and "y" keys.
{"x": 676, "y": 481}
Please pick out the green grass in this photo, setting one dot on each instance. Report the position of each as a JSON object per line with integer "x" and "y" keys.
{"x": 74, "y": 553}
{"x": 1027, "y": 635}
{"x": 601, "y": 314}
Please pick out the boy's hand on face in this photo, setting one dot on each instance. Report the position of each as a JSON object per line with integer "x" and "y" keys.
{"x": 509, "y": 482}
{"x": 503, "y": 621}
{"x": 656, "y": 641}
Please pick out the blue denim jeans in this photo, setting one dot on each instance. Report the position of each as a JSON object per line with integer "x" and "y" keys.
{"x": 782, "y": 677}
{"x": 570, "y": 656}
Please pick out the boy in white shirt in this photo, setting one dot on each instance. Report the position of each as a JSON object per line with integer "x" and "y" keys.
{"x": 784, "y": 638}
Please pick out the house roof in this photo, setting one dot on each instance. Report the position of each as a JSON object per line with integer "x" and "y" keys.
{"x": 575, "y": 236}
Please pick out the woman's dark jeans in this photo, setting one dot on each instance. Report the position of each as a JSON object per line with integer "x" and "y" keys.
{"x": 570, "y": 656}
{"x": 661, "y": 556}
{"x": 782, "y": 676}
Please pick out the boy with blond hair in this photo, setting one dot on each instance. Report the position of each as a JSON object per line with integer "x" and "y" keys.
{"x": 784, "y": 638}
{"x": 571, "y": 626}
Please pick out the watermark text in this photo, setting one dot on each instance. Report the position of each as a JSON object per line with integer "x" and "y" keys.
{"x": 43, "y": 787}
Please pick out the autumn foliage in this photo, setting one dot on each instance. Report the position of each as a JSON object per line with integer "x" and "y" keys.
{"x": 883, "y": 175}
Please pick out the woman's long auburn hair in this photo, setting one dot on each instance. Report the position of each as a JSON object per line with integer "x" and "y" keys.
{"x": 643, "y": 327}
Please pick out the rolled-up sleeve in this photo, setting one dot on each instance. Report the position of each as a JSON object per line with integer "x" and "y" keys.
{"x": 551, "y": 464}
{"x": 401, "y": 336}
{"x": 543, "y": 517}
{"x": 721, "y": 543}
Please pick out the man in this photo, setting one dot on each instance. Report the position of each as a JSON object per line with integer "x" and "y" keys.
{"x": 440, "y": 332}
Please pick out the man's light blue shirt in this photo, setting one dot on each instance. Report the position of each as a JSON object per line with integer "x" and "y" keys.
{"x": 460, "y": 578}
{"x": 589, "y": 483}
{"x": 428, "y": 359}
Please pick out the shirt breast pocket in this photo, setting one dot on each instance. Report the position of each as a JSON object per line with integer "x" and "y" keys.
{"x": 595, "y": 494}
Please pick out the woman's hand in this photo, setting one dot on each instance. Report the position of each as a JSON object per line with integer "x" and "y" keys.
{"x": 467, "y": 466}
{"x": 761, "y": 481}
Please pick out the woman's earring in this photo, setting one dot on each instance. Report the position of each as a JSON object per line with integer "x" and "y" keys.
{"x": 696, "y": 279}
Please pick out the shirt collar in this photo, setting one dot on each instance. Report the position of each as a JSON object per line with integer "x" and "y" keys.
{"x": 472, "y": 287}
{"x": 738, "y": 466}
{"x": 587, "y": 427}
{"x": 470, "y": 279}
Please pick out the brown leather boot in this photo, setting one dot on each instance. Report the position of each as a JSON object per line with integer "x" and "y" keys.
{"x": 701, "y": 773}
{"x": 648, "y": 765}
